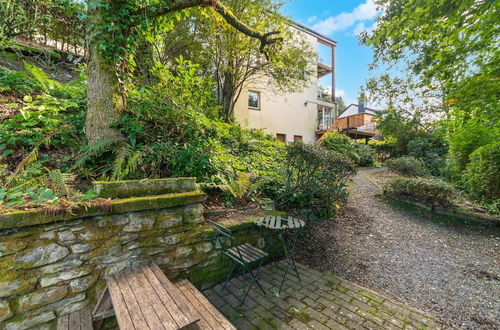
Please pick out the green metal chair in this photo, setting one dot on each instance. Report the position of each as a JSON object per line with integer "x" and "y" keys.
{"x": 242, "y": 257}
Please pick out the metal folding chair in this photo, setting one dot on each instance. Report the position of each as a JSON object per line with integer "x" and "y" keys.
{"x": 242, "y": 256}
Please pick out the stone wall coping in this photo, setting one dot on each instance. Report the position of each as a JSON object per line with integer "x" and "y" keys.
{"x": 18, "y": 219}
{"x": 145, "y": 187}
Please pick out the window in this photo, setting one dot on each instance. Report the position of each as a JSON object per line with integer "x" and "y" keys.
{"x": 281, "y": 137}
{"x": 325, "y": 118}
{"x": 254, "y": 100}
{"x": 297, "y": 137}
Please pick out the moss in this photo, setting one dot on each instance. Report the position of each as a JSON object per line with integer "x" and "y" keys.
{"x": 137, "y": 188}
{"x": 301, "y": 315}
{"x": 36, "y": 217}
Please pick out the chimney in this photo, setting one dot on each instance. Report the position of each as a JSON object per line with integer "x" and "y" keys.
{"x": 361, "y": 103}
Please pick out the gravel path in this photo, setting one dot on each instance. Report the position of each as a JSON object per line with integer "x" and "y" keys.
{"x": 451, "y": 271}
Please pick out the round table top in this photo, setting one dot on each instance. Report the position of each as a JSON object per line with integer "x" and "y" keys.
{"x": 279, "y": 223}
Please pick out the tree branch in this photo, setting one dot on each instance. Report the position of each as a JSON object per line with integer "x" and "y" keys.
{"x": 265, "y": 39}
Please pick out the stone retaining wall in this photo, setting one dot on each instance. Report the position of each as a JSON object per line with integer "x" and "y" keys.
{"x": 51, "y": 265}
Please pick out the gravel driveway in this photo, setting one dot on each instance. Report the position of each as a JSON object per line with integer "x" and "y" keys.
{"x": 450, "y": 270}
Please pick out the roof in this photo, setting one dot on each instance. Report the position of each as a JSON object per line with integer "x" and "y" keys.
{"x": 318, "y": 35}
{"x": 352, "y": 109}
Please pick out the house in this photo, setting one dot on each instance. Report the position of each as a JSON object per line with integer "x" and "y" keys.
{"x": 356, "y": 121}
{"x": 292, "y": 116}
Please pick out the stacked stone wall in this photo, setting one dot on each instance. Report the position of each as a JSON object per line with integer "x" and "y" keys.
{"x": 53, "y": 265}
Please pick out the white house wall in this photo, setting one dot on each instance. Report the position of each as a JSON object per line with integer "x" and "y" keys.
{"x": 282, "y": 113}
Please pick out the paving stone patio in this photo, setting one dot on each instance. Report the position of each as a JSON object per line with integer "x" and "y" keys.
{"x": 319, "y": 301}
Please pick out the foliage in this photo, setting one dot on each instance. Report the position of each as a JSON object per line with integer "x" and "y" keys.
{"x": 467, "y": 138}
{"x": 175, "y": 124}
{"x": 13, "y": 20}
{"x": 366, "y": 153}
{"x": 425, "y": 190}
{"x": 360, "y": 154}
{"x": 482, "y": 176}
{"x": 233, "y": 59}
{"x": 341, "y": 144}
{"x": 431, "y": 150}
{"x": 15, "y": 81}
{"x": 54, "y": 115}
{"x": 450, "y": 51}
{"x": 242, "y": 188}
{"x": 410, "y": 166}
{"x": 386, "y": 148}
{"x": 315, "y": 180}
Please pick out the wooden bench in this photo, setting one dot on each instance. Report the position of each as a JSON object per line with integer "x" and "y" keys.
{"x": 79, "y": 320}
{"x": 145, "y": 299}
{"x": 210, "y": 317}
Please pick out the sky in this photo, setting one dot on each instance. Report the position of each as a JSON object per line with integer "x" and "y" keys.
{"x": 340, "y": 20}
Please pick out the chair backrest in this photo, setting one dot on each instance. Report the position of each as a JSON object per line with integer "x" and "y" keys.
{"x": 222, "y": 232}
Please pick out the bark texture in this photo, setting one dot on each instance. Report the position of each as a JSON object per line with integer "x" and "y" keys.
{"x": 105, "y": 103}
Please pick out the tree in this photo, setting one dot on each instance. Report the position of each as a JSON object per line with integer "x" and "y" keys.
{"x": 233, "y": 59}
{"x": 448, "y": 46}
{"x": 113, "y": 26}
{"x": 339, "y": 101}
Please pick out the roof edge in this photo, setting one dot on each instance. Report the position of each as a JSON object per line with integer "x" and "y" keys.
{"x": 313, "y": 33}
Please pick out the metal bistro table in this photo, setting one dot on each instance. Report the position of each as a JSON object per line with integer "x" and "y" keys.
{"x": 279, "y": 224}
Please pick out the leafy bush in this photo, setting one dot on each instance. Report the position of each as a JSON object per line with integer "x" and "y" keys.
{"x": 430, "y": 191}
{"x": 174, "y": 124}
{"x": 407, "y": 166}
{"x": 15, "y": 81}
{"x": 482, "y": 176}
{"x": 431, "y": 150}
{"x": 242, "y": 188}
{"x": 366, "y": 153}
{"x": 385, "y": 149}
{"x": 314, "y": 180}
{"x": 341, "y": 144}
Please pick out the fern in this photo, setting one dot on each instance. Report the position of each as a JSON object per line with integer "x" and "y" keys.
{"x": 60, "y": 182}
{"x": 242, "y": 188}
{"x": 42, "y": 78}
{"x": 121, "y": 156}
{"x": 97, "y": 149}
{"x": 30, "y": 158}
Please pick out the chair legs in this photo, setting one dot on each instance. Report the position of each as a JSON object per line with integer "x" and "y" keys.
{"x": 253, "y": 276}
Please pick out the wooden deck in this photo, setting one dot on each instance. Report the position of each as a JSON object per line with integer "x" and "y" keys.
{"x": 146, "y": 299}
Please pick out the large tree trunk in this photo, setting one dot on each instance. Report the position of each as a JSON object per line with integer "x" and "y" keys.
{"x": 105, "y": 103}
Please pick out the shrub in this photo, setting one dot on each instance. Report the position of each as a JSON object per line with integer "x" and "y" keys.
{"x": 407, "y": 166}
{"x": 314, "y": 180}
{"x": 431, "y": 150}
{"x": 482, "y": 176}
{"x": 366, "y": 155}
{"x": 385, "y": 149}
{"x": 341, "y": 144}
{"x": 430, "y": 191}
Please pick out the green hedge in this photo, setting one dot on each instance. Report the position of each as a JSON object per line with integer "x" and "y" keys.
{"x": 429, "y": 191}
{"x": 410, "y": 166}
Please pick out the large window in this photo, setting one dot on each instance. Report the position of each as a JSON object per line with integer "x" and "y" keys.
{"x": 254, "y": 100}
{"x": 325, "y": 118}
{"x": 281, "y": 137}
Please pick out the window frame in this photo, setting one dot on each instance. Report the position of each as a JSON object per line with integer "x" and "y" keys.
{"x": 258, "y": 100}
{"x": 281, "y": 134}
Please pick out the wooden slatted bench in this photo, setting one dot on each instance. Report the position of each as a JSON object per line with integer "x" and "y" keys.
{"x": 79, "y": 320}
{"x": 145, "y": 299}
{"x": 210, "y": 317}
